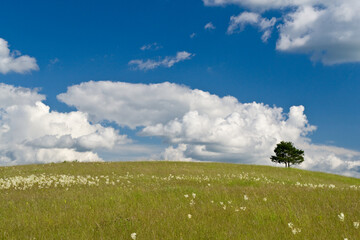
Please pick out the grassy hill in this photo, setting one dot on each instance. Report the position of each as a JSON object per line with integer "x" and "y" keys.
{"x": 175, "y": 200}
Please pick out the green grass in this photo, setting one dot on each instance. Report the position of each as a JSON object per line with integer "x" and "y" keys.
{"x": 147, "y": 198}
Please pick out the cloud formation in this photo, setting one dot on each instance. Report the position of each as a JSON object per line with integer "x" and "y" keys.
{"x": 327, "y": 30}
{"x": 238, "y": 23}
{"x": 10, "y": 95}
{"x": 137, "y": 105}
{"x": 13, "y": 61}
{"x": 195, "y": 124}
{"x": 209, "y": 26}
{"x": 246, "y": 135}
{"x": 31, "y": 133}
{"x": 167, "y": 62}
{"x": 201, "y": 126}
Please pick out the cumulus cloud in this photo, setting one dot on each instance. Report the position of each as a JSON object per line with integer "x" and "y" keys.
{"x": 13, "y": 61}
{"x": 167, "y": 62}
{"x": 201, "y": 126}
{"x": 175, "y": 153}
{"x": 209, "y": 26}
{"x": 327, "y": 30}
{"x": 31, "y": 133}
{"x": 331, "y": 159}
{"x": 196, "y": 125}
{"x": 137, "y": 105}
{"x": 248, "y": 134}
{"x": 10, "y": 95}
{"x": 238, "y": 23}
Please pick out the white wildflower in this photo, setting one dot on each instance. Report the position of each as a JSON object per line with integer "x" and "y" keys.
{"x": 341, "y": 216}
{"x": 293, "y": 229}
{"x": 224, "y": 207}
{"x": 192, "y": 202}
{"x": 189, "y": 215}
{"x": 221, "y": 203}
{"x": 186, "y": 195}
{"x": 356, "y": 225}
{"x": 133, "y": 236}
{"x": 265, "y": 199}
{"x": 243, "y": 208}
{"x": 193, "y": 195}
{"x": 246, "y": 198}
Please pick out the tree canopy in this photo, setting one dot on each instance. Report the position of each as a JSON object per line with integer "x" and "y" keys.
{"x": 286, "y": 153}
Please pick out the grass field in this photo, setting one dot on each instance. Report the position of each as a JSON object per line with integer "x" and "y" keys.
{"x": 175, "y": 200}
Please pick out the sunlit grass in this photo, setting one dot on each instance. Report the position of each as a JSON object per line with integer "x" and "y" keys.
{"x": 173, "y": 200}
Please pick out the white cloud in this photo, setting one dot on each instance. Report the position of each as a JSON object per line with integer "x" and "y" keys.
{"x": 10, "y": 95}
{"x": 209, "y": 26}
{"x": 165, "y": 62}
{"x": 329, "y": 34}
{"x": 331, "y": 159}
{"x": 200, "y": 126}
{"x": 151, "y": 46}
{"x": 31, "y": 133}
{"x": 192, "y": 35}
{"x": 13, "y": 62}
{"x": 248, "y": 134}
{"x": 137, "y": 105}
{"x": 175, "y": 154}
{"x": 327, "y": 30}
{"x": 238, "y": 23}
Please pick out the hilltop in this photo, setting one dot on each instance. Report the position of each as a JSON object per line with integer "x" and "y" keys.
{"x": 175, "y": 200}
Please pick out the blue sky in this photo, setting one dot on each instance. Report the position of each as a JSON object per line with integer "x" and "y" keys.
{"x": 74, "y": 42}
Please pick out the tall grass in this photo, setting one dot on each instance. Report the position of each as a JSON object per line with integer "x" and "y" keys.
{"x": 174, "y": 200}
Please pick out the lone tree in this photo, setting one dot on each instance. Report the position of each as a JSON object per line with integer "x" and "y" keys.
{"x": 288, "y": 154}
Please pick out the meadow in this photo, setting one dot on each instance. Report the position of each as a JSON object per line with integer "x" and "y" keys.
{"x": 176, "y": 200}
